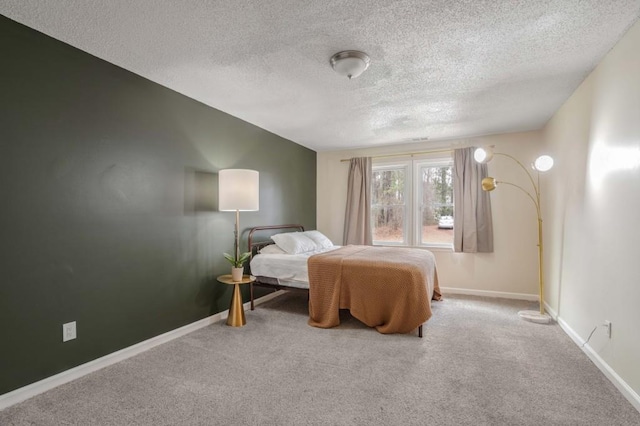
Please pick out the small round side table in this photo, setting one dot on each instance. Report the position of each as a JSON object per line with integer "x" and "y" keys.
{"x": 236, "y": 310}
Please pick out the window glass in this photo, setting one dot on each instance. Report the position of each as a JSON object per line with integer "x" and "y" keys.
{"x": 389, "y": 208}
{"x": 436, "y": 204}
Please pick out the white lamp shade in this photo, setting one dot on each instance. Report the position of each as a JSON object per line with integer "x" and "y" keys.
{"x": 238, "y": 189}
{"x": 483, "y": 155}
{"x": 543, "y": 163}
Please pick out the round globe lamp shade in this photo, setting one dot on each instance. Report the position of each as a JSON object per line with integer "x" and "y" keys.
{"x": 543, "y": 163}
{"x": 483, "y": 155}
{"x": 238, "y": 189}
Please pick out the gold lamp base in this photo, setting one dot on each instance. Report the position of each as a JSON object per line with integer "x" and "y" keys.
{"x": 236, "y": 310}
{"x": 535, "y": 316}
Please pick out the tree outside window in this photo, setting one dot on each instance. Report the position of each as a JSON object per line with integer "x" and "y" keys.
{"x": 436, "y": 208}
{"x": 388, "y": 209}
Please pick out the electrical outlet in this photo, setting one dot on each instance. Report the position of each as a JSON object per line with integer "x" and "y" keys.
{"x": 68, "y": 331}
{"x": 607, "y": 325}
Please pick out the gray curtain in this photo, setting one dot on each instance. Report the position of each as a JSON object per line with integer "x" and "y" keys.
{"x": 472, "y": 223}
{"x": 357, "y": 218}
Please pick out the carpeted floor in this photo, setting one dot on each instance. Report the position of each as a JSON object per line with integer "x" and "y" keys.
{"x": 478, "y": 364}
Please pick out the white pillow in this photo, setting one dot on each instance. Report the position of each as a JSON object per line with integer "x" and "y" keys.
{"x": 321, "y": 241}
{"x": 294, "y": 242}
{"x": 272, "y": 249}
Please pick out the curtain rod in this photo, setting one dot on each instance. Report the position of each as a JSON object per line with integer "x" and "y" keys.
{"x": 411, "y": 154}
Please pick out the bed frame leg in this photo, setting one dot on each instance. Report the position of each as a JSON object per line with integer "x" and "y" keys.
{"x": 251, "y": 291}
{"x": 420, "y": 331}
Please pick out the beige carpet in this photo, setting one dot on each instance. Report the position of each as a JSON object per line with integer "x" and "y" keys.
{"x": 478, "y": 364}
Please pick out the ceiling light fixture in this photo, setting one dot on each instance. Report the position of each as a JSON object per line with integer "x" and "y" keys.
{"x": 350, "y": 63}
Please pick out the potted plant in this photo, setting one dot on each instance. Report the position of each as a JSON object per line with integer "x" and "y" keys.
{"x": 237, "y": 264}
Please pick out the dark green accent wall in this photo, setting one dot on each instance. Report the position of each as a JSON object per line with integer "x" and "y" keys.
{"x": 108, "y": 185}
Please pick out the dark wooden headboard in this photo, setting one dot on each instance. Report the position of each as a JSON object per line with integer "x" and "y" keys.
{"x": 254, "y": 246}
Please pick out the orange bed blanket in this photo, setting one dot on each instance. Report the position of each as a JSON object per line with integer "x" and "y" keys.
{"x": 389, "y": 288}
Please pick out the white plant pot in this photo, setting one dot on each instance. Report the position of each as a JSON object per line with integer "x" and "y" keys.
{"x": 236, "y": 274}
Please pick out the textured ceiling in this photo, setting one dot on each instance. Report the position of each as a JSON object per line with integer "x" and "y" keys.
{"x": 439, "y": 69}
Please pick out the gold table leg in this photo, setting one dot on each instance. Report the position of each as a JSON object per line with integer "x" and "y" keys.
{"x": 236, "y": 310}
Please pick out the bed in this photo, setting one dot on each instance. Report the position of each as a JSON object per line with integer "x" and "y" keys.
{"x": 389, "y": 288}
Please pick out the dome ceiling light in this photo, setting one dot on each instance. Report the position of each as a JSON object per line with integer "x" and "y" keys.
{"x": 350, "y": 63}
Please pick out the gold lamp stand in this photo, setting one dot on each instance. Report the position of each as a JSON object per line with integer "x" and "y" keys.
{"x": 236, "y": 310}
{"x": 489, "y": 184}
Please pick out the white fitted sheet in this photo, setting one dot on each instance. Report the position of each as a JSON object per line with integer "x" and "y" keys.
{"x": 288, "y": 269}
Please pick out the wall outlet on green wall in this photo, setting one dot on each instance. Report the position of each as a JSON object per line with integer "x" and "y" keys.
{"x": 68, "y": 331}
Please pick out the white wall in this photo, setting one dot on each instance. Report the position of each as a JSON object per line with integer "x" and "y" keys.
{"x": 512, "y": 268}
{"x": 594, "y": 222}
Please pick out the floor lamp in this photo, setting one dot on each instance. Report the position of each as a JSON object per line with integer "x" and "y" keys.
{"x": 542, "y": 164}
{"x": 238, "y": 190}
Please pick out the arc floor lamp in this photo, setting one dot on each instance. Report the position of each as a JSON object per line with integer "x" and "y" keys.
{"x": 541, "y": 164}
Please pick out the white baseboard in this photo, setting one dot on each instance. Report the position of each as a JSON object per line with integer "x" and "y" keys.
{"x": 487, "y": 293}
{"x": 26, "y": 392}
{"x": 606, "y": 369}
{"x": 551, "y": 311}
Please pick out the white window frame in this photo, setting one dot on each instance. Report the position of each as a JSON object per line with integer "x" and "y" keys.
{"x": 412, "y": 231}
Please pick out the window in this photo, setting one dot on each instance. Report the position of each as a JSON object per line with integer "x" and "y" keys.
{"x": 390, "y": 193}
{"x": 435, "y": 195}
{"x": 412, "y": 202}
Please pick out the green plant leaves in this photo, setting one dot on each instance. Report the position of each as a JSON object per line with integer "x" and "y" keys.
{"x": 237, "y": 263}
